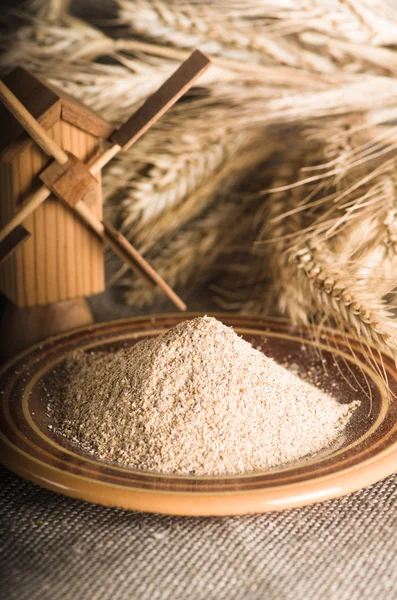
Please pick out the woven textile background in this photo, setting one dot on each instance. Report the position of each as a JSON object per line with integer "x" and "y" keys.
{"x": 58, "y": 548}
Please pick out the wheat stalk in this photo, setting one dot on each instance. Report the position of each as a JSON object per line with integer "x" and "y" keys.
{"x": 219, "y": 185}
{"x": 292, "y": 36}
{"x": 70, "y": 53}
{"x": 179, "y": 164}
{"x": 271, "y": 261}
{"x": 354, "y": 310}
{"x": 337, "y": 267}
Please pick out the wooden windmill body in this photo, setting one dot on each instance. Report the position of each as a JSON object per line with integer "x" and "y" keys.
{"x": 62, "y": 259}
{"x": 51, "y": 155}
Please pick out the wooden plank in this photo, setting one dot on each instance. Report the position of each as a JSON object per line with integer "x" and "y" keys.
{"x": 42, "y": 102}
{"x": 24, "y": 165}
{"x": 97, "y": 260}
{"x": 51, "y": 258}
{"x": 79, "y": 233}
{"x": 8, "y": 268}
{"x": 86, "y": 234}
{"x": 155, "y": 106}
{"x": 39, "y": 160}
{"x": 84, "y": 144}
{"x": 71, "y": 181}
{"x": 83, "y": 118}
{"x": 30, "y": 124}
{"x": 60, "y": 214}
{"x": 6, "y": 197}
{"x": 98, "y": 254}
{"x": 19, "y": 298}
{"x": 12, "y": 242}
{"x": 12, "y": 262}
{"x": 70, "y": 225}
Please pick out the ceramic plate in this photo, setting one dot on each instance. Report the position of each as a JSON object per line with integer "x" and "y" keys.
{"x": 364, "y": 454}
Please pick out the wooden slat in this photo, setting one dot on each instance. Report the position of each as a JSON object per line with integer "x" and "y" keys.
{"x": 11, "y": 263}
{"x": 85, "y": 142}
{"x": 71, "y": 181}
{"x": 19, "y": 297}
{"x": 83, "y": 118}
{"x": 25, "y": 165}
{"x": 60, "y": 213}
{"x": 30, "y": 124}
{"x": 68, "y": 262}
{"x": 139, "y": 264}
{"x": 39, "y": 161}
{"x": 42, "y": 102}
{"x": 79, "y": 233}
{"x": 5, "y": 214}
{"x": 155, "y": 106}
{"x": 71, "y": 225}
{"x": 98, "y": 255}
{"x": 4, "y": 217}
{"x": 89, "y": 145}
{"x": 51, "y": 258}
{"x": 94, "y": 257}
{"x": 86, "y": 234}
{"x": 12, "y": 242}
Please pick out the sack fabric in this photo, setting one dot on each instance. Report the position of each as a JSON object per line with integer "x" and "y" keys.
{"x": 53, "y": 547}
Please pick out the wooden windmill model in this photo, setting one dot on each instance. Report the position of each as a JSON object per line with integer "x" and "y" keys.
{"x": 51, "y": 158}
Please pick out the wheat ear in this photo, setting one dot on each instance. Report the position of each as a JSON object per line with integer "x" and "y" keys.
{"x": 353, "y": 310}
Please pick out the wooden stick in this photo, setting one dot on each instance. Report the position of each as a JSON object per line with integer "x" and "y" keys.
{"x": 31, "y": 125}
{"x": 99, "y": 228}
{"x": 122, "y": 242}
{"x": 18, "y": 236}
{"x": 32, "y": 202}
{"x": 121, "y": 246}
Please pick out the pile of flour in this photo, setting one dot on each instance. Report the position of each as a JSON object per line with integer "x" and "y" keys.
{"x": 197, "y": 400}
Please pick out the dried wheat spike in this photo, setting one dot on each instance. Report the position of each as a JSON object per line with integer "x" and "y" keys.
{"x": 337, "y": 299}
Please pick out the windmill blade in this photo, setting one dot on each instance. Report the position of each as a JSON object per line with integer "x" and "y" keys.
{"x": 155, "y": 106}
{"x": 32, "y": 202}
{"x": 11, "y": 243}
{"x": 31, "y": 125}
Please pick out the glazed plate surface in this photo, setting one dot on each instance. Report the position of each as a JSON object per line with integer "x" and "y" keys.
{"x": 365, "y": 453}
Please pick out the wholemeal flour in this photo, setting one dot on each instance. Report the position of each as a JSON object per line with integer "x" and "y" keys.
{"x": 197, "y": 400}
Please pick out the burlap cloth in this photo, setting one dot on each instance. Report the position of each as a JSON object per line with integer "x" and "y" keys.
{"x": 59, "y": 548}
{"x": 54, "y": 547}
